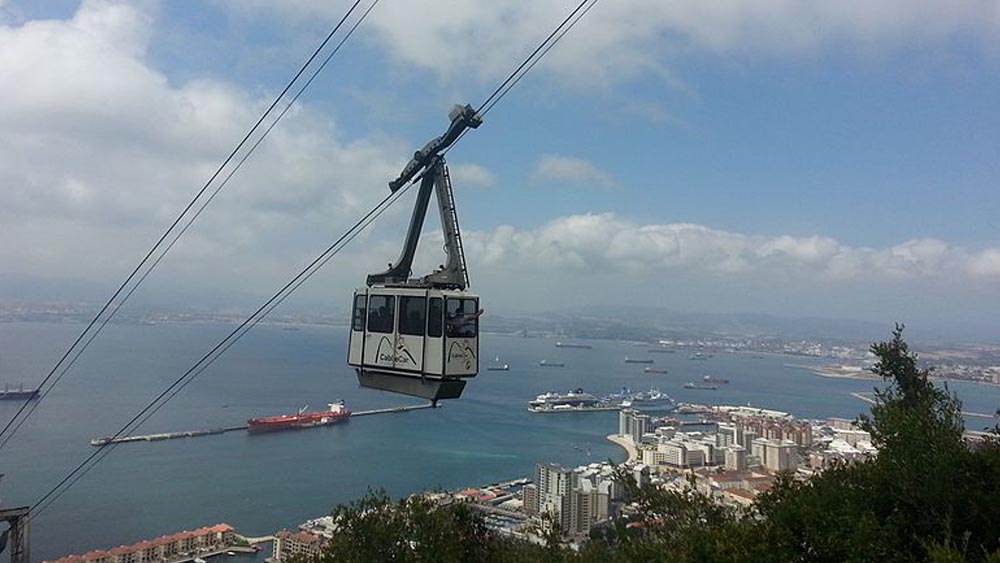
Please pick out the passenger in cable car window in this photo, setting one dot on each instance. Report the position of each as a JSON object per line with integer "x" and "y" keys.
{"x": 461, "y": 324}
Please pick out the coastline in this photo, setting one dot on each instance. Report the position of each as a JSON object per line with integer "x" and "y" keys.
{"x": 627, "y": 445}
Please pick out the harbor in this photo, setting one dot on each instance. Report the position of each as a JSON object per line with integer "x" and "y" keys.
{"x": 104, "y": 441}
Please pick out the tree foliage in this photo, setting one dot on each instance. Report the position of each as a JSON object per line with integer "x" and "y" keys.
{"x": 926, "y": 496}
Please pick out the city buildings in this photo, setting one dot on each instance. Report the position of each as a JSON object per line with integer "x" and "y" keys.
{"x": 182, "y": 545}
{"x": 575, "y": 499}
{"x": 291, "y": 544}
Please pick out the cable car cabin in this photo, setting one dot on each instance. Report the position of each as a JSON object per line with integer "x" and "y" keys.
{"x": 420, "y": 336}
{"x": 416, "y": 341}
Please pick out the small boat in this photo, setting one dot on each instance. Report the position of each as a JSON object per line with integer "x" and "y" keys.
{"x": 698, "y": 356}
{"x": 548, "y": 364}
{"x": 573, "y": 345}
{"x": 701, "y": 386}
{"x": 497, "y": 366}
{"x": 230, "y": 553}
{"x": 199, "y": 560}
{"x": 653, "y": 370}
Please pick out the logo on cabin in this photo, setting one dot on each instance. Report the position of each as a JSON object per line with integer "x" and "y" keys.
{"x": 399, "y": 356}
{"x": 462, "y": 353}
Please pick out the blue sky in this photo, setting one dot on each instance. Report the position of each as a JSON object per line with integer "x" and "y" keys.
{"x": 796, "y": 158}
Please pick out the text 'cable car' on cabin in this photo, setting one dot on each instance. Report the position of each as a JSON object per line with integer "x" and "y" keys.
{"x": 420, "y": 336}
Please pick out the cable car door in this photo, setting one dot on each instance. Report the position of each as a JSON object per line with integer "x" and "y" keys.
{"x": 461, "y": 343}
{"x": 409, "y": 351}
{"x": 380, "y": 334}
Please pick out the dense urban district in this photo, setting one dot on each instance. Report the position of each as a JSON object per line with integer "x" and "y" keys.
{"x": 700, "y": 482}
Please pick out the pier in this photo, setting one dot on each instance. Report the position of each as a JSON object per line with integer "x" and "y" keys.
{"x": 100, "y": 442}
{"x": 871, "y": 401}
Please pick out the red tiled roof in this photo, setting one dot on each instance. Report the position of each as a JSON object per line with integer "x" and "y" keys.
{"x": 146, "y": 544}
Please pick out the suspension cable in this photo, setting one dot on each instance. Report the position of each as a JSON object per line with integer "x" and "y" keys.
{"x": 220, "y": 348}
{"x": 251, "y": 321}
{"x": 62, "y": 366}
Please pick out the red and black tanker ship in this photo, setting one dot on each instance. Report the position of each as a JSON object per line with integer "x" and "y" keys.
{"x": 336, "y": 413}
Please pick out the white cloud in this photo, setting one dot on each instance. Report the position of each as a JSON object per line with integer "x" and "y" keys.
{"x": 622, "y": 39}
{"x": 596, "y": 243}
{"x": 100, "y": 151}
{"x": 471, "y": 175}
{"x": 552, "y": 168}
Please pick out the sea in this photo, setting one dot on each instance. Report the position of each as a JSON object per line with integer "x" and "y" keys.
{"x": 263, "y": 483}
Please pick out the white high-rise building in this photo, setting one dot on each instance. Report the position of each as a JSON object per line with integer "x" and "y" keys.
{"x": 736, "y": 458}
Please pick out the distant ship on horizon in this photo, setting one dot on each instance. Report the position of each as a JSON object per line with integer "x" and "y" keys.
{"x": 20, "y": 393}
{"x": 497, "y": 366}
{"x": 573, "y": 345}
{"x": 629, "y": 360}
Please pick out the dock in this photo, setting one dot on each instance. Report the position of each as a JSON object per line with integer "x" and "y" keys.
{"x": 871, "y": 401}
{"x": 597, "y": 408}
{"x": 100, "y": 442}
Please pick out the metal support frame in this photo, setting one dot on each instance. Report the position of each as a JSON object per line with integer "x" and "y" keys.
{"x": 453, "y": 274}
{"x": 17, "y": 535}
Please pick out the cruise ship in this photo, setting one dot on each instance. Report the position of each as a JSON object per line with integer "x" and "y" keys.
{"x": 652, "y": 399}
{"x": 576, "y": 398}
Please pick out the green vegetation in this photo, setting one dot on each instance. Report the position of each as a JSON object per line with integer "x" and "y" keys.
{"x": 926, "y": 496}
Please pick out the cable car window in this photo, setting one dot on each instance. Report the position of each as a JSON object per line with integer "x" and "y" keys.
{"x": 412, "y": 315}
{"x": 434, "y": 314}
{"x": 463, "y": 318}
{"x": 381, "y": 310}
{"x": 358, "y": 320}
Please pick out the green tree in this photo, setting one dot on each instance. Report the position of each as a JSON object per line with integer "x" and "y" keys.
{"x": 925, "y": 496}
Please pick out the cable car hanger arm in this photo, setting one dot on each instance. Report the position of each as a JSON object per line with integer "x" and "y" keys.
{"x": 435, "y": 177}
{"x": 462, "y": 118}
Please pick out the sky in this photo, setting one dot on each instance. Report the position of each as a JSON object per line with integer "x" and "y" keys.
{"x": 799, "y": 158}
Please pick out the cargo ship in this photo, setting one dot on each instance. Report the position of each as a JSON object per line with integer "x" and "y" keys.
{"x": 573, "y": 345}
{"x": 653, "y": 370}
{"x": 19, "y": 393}
{"x": 700, "y": 386}
{"x": 714, "y": 380}
{"x": 336, "y": 413}
{"x": 548, "y": 364}
{"x": 629, "y": 360}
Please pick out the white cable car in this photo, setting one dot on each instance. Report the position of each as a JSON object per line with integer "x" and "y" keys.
{"x": 420, "y": 336}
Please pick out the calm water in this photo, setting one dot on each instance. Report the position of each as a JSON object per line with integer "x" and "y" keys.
{"x": 262, "y": 483}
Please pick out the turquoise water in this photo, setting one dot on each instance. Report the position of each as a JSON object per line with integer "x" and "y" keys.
{"x": 262, "y": 483}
